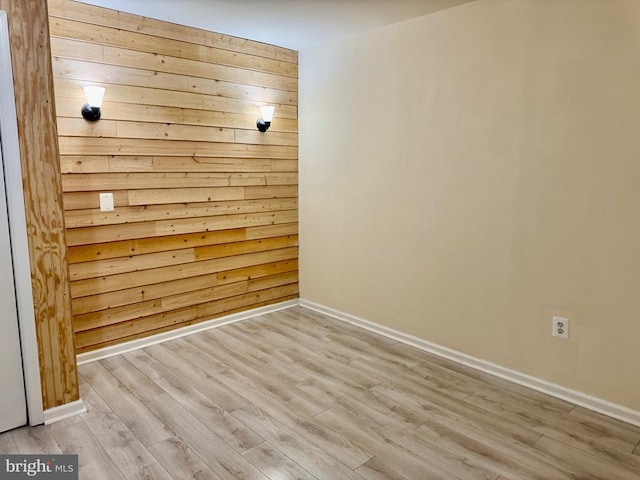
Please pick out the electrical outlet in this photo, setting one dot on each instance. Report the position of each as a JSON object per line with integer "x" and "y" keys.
{"x": 106, "y": 202}
{"x": 560, "y": 327}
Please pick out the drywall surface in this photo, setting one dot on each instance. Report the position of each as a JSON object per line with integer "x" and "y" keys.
{"x": 467, "y": 175}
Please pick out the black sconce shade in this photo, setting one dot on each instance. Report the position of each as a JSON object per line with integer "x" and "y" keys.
{"x": 91, "y": 110}
{"x": 264, "y": 122}
{"x": 262, "y": 125}
{"x": 90, "y": 113}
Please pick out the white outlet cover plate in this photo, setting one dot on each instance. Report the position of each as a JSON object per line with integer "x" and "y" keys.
{"x": 555, "y": 324}
{"x": 106, "y": 202}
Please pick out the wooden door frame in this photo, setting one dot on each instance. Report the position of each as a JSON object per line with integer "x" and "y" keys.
{"x": 18, "y": 231}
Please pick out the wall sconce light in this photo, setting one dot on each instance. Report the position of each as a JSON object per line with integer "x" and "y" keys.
{"x": 264, "y": 122}
{"x": 91, "y": 109}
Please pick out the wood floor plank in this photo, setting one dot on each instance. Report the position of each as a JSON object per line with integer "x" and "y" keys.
{"x": 523, "y": 409}
{"x": 266, "y": 349}
{"x": 322, "y": 390}
{"x": 197, "y": 377}
{"x": 453, "y": 381}
{"x": 449, "y": 460}
{"x": 533, "y": 463}
{"x": 395, "y": 455}
{"x": 378, "y": 469}
{"x": 218, "y": 455}
{"x": 121, "y": 369}
{"x": 320, "y": 363}
{"x": 35, "y": 440}
{"x": 435, "y": 405}
{"x": 491, "y": 381}
{"x": 421, "y": 378}
{"x": 205, "y": 409}
{"x": 274, "y": 399}
{"x": 129, "y": 454}
{"x": 586, "y": 463}
{"x": 592, "y": 439}
{"x": 210, "y": 447}
{"x": 580, "y": 432}
{"x": 280, "y": 343}
{"x": 284, "y": 390}
{"x": 313, "y": 459}
{"x": 334, "y": 352}
{"x": 258, "y": 357}
{"x": 387, "y": 432}
{"x": 483, "y": 460}
{"x": 344, "y": 328}
{"x": 310, "y": 326}
{"x": 7, "y": 445}
{"x": 73, "y": 436}
{"x": 365, "y": 350}
{"x": 437, "y": 399}
{"x": 313, "y": 364}
{"x": 180, "y": 461}
{"x": 608, "y": 428}
{"x": 274, "y": 464}
{"x": 128, "y": 407}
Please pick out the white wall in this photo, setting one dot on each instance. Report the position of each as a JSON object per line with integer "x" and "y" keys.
{"x": 469, "y": 174}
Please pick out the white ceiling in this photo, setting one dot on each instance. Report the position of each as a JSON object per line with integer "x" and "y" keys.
{"x": 295, "y": 24}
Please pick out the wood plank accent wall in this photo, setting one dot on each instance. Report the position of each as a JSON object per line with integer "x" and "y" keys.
{"x": 206, "y": 217}
{"x": 33, "y": 84}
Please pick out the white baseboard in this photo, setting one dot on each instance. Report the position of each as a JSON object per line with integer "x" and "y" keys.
{"x": 67, "y": 410}
{"x": 584, "y": 400}
{"x": 106, "y": 352}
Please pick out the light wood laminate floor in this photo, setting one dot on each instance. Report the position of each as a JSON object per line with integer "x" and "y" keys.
{"x": 297, "y": 395}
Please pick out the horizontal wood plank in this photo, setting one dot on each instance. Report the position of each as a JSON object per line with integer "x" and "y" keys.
{"x": 125, "y": 146}
{"x": 109, "y": 300}
{"x": 147, "y": 308}
{"x": 115, "y": 233}
{"x": 197, "y": 71}
{"x": 124, "y": 21}
{"x": 99, "y": 268}
{"x": 127, "y": 248}
{"x": 84, "y": 200}
{"x": 223, "y": 222}
{"x": 132, "y": 181}
{"x": 123, "y": 281}
{"x": 133, "y": 112}
{"x": 69, "y": 90}
{"x": 77, "y": 127}
{"x": 249, "y": 246}
{"x": 104, "y": 301}
{"x": 176, "y": 195}
{"x": 184, "y": 317}
{"x": 284, "y": 171}
{"x": 85, "y": 253}
{"x": 91, "y": 217}
{"x": 65, "y": 28}
{"x": 125, "y": 67}
{"x": 170, "y": 327}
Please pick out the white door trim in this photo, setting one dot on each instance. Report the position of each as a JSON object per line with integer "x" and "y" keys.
{"x": 18, "y": 227}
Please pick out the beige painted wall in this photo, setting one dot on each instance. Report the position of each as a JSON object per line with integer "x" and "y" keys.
{"x": 467, "y": 175}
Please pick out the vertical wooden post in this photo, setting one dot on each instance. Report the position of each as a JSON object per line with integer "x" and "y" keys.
{"x": 33, "y": 83}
